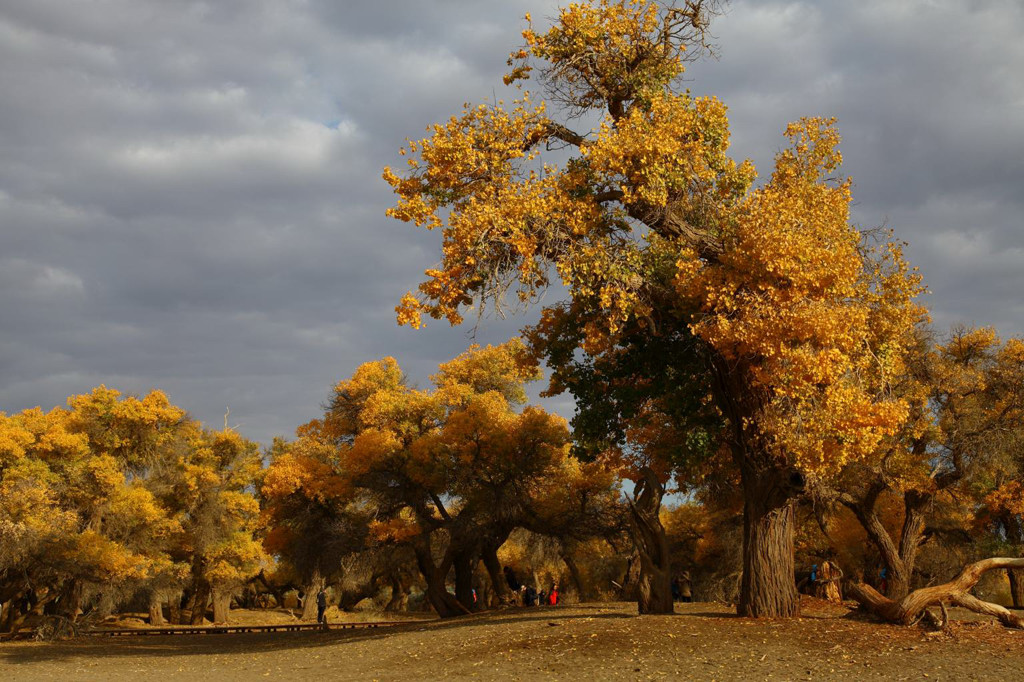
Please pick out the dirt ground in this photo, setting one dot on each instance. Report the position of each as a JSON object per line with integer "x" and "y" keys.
{"x": 591, "y": 642}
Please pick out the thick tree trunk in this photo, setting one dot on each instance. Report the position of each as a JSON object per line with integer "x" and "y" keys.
{"x": 911, "y": 537}
{"x": 15, "y": 618}
{"x": 912, "y": 607}
{"x": 156, "y": 609}
{"x": 200, "y": 602}
{"x": 463, "y": 562}
{"x": 71, "y": 600}
{"x": 502, "y": 592}
{"x": 221, "y": 605}
{"x": 399, "y": 601}
{"x": 444, "y": 603}
{"x": 655, "y": 584}
{"x": 768, "y": 585}
{"x": 174, "y": 610}
{"x": 1016, "y": 577}
{"x": 312, "y": 589}
{"x": 12, "y": 612}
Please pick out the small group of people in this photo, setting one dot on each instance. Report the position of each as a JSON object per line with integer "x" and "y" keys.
{"x": 531, "y": 597}
{"x": 528, "y": 594}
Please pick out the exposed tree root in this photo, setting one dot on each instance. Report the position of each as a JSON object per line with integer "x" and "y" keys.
{"x": 912, "y": 608}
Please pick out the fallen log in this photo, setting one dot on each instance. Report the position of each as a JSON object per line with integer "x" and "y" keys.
{"x": 911, "y": 608}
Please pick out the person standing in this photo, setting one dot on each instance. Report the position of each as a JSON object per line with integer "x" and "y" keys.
{"x": 321, "y": 607}
{"x": 685, "y": 588}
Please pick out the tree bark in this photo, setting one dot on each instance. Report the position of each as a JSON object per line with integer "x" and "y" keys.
{"x": 1016, "y": 577}
{"x": 200, "y": 602}
{"x": 12, "y": 612}
{"x": 655, "y": 585}
{"x": 463, "y": 564}
{"x": 221, "y": 605}
{"x": 156, "y": 609}
{"x": 71, "y": 600}
{"x": 911, "y": 608}
{"x": 630, "y": 588}
{"x": 312, "y": 589}
{"x": 827, "y": 585}
{"x": 399, "y": 595}
{"x": 768, "y": 585}
{"x": 174, "y": 610}
{"x": 502, "y": 592}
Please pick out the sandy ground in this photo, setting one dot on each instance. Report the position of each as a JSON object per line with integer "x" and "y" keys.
{"x": 591, "y": 642}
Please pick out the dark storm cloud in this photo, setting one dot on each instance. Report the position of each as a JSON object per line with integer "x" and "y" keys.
{"x": 190, "y": 193}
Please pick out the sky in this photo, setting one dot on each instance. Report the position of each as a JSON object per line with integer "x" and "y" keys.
{"x": 191, "y": 200}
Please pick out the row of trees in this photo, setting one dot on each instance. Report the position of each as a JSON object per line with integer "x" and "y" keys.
{"x": 124, "y": 502}
{"x": 717, "y": 330}
{"x": 114, "y": 502}
{"x": 742, "y": 342}
{"x": 113, "y": 497}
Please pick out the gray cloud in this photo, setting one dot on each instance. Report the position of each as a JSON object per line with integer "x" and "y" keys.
{"x": 190, "y": 193}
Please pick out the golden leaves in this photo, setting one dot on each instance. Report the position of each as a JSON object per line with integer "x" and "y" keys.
{"x": 788, "y": 300}
{"x": 814, "y": 323}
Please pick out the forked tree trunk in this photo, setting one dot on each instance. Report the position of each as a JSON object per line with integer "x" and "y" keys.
{"x": 444, "y": 603}
{"x": 899, "y": 559}
{"x": 768, "y": 585}
{"x": 1016, "y": 577}
{"x": 655, "y": 584}
{"x": 911, "y": 608}
{"x": 156, "y": 609}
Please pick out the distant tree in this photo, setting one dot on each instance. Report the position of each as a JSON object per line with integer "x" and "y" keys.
{"x": 79, "y": 505}
{"x": 220, "y": 518}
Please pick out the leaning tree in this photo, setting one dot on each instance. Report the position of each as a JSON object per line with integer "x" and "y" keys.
{"x": 649, "y": 224}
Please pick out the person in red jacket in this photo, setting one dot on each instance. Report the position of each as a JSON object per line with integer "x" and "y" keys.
{"x": 553, "y": 596}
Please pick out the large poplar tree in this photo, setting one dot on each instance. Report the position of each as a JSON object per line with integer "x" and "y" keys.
{"x": 650, "y": 224}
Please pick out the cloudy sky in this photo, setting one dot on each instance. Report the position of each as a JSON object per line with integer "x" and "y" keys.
{"x": 190, "y": 192}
